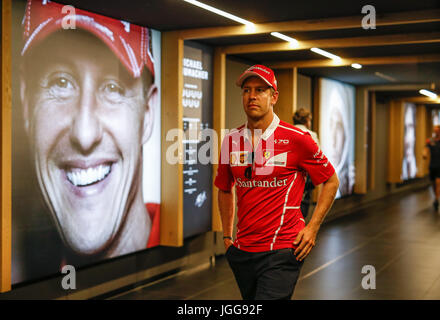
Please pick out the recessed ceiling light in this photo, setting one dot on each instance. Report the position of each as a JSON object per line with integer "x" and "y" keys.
{"x": 384, "y": 76}
{"x": 428, "y": 93}
{"x": 356, "y": 65}
{"x": 292, "y": 41}
{"x": 327, "y": 54}
{"x": 221, "y": 12}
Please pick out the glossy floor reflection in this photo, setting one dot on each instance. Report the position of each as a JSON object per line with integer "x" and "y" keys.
{"x": 399, "y": 237}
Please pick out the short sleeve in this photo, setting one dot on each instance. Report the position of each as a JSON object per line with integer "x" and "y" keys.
{"x": 224, "y": 179}
{"x": 313, "y": 160}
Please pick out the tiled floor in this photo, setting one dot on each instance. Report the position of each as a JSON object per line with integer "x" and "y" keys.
{"x": 399, "y": 237}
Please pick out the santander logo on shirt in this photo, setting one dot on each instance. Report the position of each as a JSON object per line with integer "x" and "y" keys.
{"x": 274, "y": 183}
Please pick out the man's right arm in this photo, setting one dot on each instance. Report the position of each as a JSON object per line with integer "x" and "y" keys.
{"x": 226, "y": 206}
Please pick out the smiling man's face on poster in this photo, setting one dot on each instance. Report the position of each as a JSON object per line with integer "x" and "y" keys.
{"x": 89, "y": 100}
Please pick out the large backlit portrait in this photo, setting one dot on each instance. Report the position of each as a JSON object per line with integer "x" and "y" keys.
{"x": 86, "y": 138}
{"x": 409, "y": 164}
{"x": 336, "y": 130}
{"x": 435, "y": 115}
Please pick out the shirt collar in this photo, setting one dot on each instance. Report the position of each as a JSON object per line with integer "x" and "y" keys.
{"x": 301, "y": 126}
{"x": 269, "y": 130}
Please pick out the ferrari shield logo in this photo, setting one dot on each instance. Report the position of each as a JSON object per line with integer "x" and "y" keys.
{"x": 242, "y": 157}
{"x": 232, "y": 159}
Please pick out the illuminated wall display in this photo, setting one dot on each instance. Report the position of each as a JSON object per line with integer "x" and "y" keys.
{"x": 86, "y": 139}
{"x": 409, "y": 164}
{"x": 197, "y": 116}
{"x": 337, "y": 131}
{"x": 435, "y": 113}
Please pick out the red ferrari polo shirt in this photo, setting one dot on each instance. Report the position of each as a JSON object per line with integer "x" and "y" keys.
{"x": 269, "y": 182}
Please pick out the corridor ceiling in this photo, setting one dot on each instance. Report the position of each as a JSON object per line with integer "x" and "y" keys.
{"x": 404, "y": 48}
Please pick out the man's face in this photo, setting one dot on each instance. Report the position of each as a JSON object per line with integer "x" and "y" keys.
{"x": 87, "y": 118}
{"x": 257, "y": 98}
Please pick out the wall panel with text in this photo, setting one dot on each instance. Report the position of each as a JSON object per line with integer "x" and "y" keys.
{"x": 198, "y": 138}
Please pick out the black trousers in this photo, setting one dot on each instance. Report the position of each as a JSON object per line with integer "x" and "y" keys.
{"x": 270, "y": 275}
{"x": 434, "y": 173}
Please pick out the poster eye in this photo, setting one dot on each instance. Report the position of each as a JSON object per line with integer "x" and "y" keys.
{"x": 113, "y": 91}
{"x": 61, "y": 87}
{"x": 61, "y": 82}
{"x": 114, "y": 88}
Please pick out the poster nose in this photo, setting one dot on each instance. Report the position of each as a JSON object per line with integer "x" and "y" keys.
{"x": 86, "y": 129}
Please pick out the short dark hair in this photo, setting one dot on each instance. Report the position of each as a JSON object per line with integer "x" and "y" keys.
{"x": 301, "y": 116}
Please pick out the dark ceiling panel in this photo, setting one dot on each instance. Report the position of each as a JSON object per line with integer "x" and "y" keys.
{"x": 397, "y": 94}
{"x": 280, "y": 56}
{"x": 379, "y": 51}
{"x": 326, "y": 34}
{"x": 240, "y": 40}
{"x": 353, "y": 52}
{"x": 262, "y": 11}
{"x": 165, "y": 15}
{"x": 402, "y": 73}
{"x": 360, "y": 32}
{"x": 177, "y": 14}
{"x": 385, "y": 96}
{"x": 162, "y": 15}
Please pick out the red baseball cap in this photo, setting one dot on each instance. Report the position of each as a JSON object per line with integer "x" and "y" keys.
{"x": 130, "y": 43}
{"x": 260, "y": 71}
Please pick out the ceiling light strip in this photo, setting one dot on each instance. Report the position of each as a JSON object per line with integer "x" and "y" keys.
{"x": 220, "y": 12}
{"x": 284, "y": 37}
{"x": 327, "y": 54}
{"x": 384, "y": 76}
{"x": 428, "y": 93}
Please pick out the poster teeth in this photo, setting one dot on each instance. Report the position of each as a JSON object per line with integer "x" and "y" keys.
{"x": 88, "y": 176}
